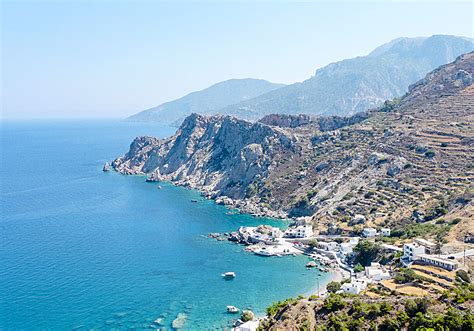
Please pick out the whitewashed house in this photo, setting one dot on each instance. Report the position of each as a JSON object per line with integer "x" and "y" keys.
{"x": 354, "y": 241}
{"x": 346, "y": 248}
{"x": 331, "y": 246}
{"x": 301, "y": 231}
{"x": 276, "y": 232}
{"x": 412, "y": 251}
{"x": 358, "y": 219}
{"x": 430, "y": 247}
{"x": 376, "y": 272}
{"x": 369, "y": 232}
{"x": 385, "y": 232}
{"x": 354, "y": 287}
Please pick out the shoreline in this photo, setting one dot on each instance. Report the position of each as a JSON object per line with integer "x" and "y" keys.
{"x": 244, "y": 205}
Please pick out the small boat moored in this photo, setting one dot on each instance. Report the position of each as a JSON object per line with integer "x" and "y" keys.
{"x": 229, "y": 275}
{"x": 232, "y": 309}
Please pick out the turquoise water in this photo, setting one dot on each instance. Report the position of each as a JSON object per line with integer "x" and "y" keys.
{"x": 80, "y": 248}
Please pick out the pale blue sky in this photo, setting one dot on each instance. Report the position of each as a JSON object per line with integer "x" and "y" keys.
{"x": 103, "y": 59}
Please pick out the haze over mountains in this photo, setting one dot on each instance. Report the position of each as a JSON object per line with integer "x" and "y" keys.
{"x": 341, "y": 88}
{"x": 207, "y": 101}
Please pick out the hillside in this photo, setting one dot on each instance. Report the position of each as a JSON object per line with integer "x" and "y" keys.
{"x": 206, "y": 101}
{"x": 358, "y": 84}
{"x": 404, "y": 163}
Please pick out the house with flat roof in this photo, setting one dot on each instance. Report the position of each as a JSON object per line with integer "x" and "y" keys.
{"x": 376, "y": 272}
{"x": 385, "y": 232}
{"x": 430, "y": 247}
{"x": 301, "y": 231}
{"x": 354, "y": 287}
{"x": 439, "y": 262}
{"x": 369, "y": 232}
{"x": 411, "y": 251}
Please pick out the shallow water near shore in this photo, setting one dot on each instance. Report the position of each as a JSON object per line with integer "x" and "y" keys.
{"x": 85, "y": 249}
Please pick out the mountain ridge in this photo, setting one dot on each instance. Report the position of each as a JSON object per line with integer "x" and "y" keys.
{"x": 206, "y": 100}
{"x": 353, "y": 85}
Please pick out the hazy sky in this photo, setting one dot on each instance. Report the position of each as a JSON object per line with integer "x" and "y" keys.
{"x": 105, "y": 59}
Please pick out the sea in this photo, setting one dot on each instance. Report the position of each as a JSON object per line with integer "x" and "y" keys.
{"x": 84, "y": 249}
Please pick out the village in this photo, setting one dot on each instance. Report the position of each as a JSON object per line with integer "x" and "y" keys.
{"x": 335, "y": 253}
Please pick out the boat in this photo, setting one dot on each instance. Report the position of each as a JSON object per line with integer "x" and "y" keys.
{"x": 159, "y": 187}
{"x": 194, "y": 200}
{"x": 229, "y": 275}
{"x": 106, "y": 167}
{"x": 232, "y": 309}
{"x": 263, "y": 252}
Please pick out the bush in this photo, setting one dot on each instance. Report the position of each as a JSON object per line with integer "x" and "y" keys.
{"x": 276, "y": 306}
{"x": 334, "y": 302}
{"x": 359, "y": 268}
{"x": 246, "y": 316}
{"x": 463, "y": 276}
{"x": 405, "y": 275}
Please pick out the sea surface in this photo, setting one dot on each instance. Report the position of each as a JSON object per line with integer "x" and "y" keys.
{"x": 83, "y": 249}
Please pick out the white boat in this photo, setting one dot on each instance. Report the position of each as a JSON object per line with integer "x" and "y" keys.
{"x": 232, "y": 309}
{"x": 229, "y": 275}
{"x": 263, "y": 252}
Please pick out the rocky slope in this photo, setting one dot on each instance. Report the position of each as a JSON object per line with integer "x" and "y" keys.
{"x": 208, "y": 100}
{"x": 405, "y": 162}
{"x": 354, "y": 85}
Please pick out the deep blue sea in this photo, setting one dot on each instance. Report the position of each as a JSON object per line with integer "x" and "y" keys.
{"x": 80, "y": 248}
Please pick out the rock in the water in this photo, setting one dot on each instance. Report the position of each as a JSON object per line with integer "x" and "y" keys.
{"x": 179, "y": 321}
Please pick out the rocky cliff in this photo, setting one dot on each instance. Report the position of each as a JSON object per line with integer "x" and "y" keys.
{"x": 411, "y": 161}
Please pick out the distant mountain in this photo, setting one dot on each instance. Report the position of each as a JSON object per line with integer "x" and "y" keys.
{"x": 207, "y": 101}
{"x": 354, "y": 85}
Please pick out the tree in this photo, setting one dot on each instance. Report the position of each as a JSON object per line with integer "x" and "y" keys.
{"x": 366, "y": 252}
{"x": 333, "y": 287}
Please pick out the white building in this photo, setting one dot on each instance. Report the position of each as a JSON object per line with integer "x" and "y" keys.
{"x": 276, "y": 233}
{"x": 385, "y": 232}
{"x": 430, "y": 247}
{"x": 354, "y": 241}
{"x": 369, "y": 232}
{"x": 411, "y": 251}
{"x": 346, "y": 248}
{"x": 328, "y": 246}
{"x": 302, "y": 231}
{"x": 358, "y": 219}
{"x": 376, "y": 272}
{"x": 248, "y": 326}
{"x": 354, "y": 287}
{"x": 439, "y": 262}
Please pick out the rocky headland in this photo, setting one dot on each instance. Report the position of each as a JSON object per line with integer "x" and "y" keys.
{"x": 407, "y": 161}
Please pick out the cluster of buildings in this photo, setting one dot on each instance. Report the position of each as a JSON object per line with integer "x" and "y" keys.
{"x": 343, "y": 249}
{"x": 299, "y": 231}
{"x": 371, "y": 232}
{"x": 424, "y": 251}
{"x": 371, "y": 274}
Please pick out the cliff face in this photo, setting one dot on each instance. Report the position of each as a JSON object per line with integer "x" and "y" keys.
{"x": 220, "y": 155}
{"x": 412, "y": 159}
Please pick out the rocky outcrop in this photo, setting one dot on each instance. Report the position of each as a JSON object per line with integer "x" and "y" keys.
{"x": 220, "y": 155}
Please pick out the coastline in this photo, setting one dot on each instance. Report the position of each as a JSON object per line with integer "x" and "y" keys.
{"x": 244, "y": 205}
